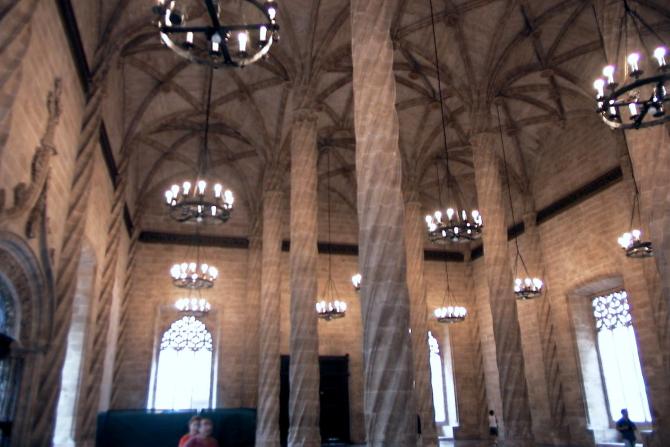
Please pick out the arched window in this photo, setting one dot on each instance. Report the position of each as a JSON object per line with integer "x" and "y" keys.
{"x": 437, "y": 379}
{"x": 619, "y": 360}
{"x": 184, "y": 372}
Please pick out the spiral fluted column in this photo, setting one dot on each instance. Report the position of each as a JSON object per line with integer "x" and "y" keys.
{"x": 267, "y": 419}
{"x": 470, "y": 380}
{"x": 253, "y": 296}
{"x": 122, "y": 338}
{"x": 506, "y": 331}
{"x": 415, "y": 234}
{"x": 89, "y": 401}
{"x": 389, "y": 408}
{"x": 304, "y": 343}
{"x": 66, "y": 277}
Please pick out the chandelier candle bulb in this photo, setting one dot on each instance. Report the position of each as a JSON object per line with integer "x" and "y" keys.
{"x": 189, "y": 39}
{"x": 599, "y": 85}
{"x": 659, "y": 54}
{"x": 608, "y": 72}
{"x": 263, "y": 33}
{"x": 633, "y": 61}
{"x": 356, "y": 281}
{"x": 242, "y": 39}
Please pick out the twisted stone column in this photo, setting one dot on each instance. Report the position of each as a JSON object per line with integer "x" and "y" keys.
{"x": 267, "y": 423}
{"x": 563, "y": 425}
{"x": 304, "y": 342}
{"x": 415, "y": 234}
{"x": 253, "y": 292}
{"x": 389, "y": 408}
{"x": 66, "y": 277}
{"x": 506, "y": 332}
{"x": 123, "y": 339}
{"x": 15, "y": 33}
{"x": 89, "y": 401}
{"x": 469, "y": 375}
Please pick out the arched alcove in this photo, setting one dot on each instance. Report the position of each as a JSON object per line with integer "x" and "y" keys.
{"x": 26, "y": 297}
{"x": 604, "y": 343}
{"x": 64, "y": 433}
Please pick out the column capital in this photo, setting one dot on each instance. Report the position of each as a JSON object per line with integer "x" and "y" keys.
{"x": 273, "y": 177}
{"x": 306, "y": 115}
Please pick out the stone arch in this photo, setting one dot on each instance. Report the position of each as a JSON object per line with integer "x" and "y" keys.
{"x": 25, "y": 288}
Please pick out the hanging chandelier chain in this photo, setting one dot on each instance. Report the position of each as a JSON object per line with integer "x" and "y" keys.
{"x": 509, "y": 193}
{"x": 204, "y": 154}
{"x": 328, "y": 198}
{"x": 439, "y": 90}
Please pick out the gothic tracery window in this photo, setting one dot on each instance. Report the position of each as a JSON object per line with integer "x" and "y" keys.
{"x": 620, "y": 362}
{"x": 184, "y": 372}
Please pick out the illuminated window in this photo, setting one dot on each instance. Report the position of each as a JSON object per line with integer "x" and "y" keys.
{"x": 184, "y": 371}
{"x": 619, "y": 358}
{"x": 437, "y": 379}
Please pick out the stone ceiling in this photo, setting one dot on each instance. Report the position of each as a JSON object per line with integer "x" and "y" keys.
{"x": 539, "y": 58}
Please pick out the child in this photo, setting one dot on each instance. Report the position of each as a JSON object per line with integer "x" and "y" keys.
{"x": 204, "y": 436}
{"x": 193, "y": 427}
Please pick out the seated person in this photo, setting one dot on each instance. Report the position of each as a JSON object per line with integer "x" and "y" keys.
{"x": 193, "y": 427}
{"x": 204, "y": 436}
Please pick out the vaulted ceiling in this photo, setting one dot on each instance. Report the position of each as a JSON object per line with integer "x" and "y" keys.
{"x": 538, "y": 58}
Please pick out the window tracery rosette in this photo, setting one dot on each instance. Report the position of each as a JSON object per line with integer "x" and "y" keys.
{"x": 187, "y": 333}
{"x": 612, "y": 311}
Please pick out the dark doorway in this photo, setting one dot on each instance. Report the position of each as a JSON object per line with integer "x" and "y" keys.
{"x": 334, "y": 391}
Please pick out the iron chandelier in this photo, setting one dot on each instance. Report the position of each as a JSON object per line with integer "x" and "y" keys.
{"x": 227, "y": 33}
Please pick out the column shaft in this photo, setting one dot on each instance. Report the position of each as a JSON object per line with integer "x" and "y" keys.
{"x": 415, "y": 234}
{"x": 267, "y": 424}
{"x": 390, "y": 414}
{"x": 304, "y": 342}
{"x": 506, "y": 332}
{"x": 66, "y": 276}
{"x": 469, "y": 368}
{"x": 253, "y": 295}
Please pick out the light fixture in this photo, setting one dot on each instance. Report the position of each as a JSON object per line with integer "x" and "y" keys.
{"x": 197, "y": 201}
{"x": 195, "y": 305}
{"x": 356, "y": 281}
{"x": 459, "y": 225}
{"x": 330, "y": 307}
{"x": 634, "y": 246}
{"x": 450, "y": 312}
{"x": 207, "y": 40}
{"x": 193, "y": 275}
{"x": 528, "y": 287}
{"x": 640, "y": 99}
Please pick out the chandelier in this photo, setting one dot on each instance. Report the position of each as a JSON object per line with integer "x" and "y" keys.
{"x": 218, "y": 33}
{"x": 196, "y": 305}
{"x": 634, "y": 246}
{"x": 189, "y": 203}
{"x": 192, "y": 275}
{"x": 330, "y": 307}
{"x": 636, "y": 99}
{"x": 356, "y": 281}
{"x": 524, "y": 288}
{"x": 450, "y": 314}
{"x": 459, "y": 226}
{"x": 455, "y": 228}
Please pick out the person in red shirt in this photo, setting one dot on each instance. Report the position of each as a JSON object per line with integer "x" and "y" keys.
{"x": 193, "y": 427}
{"x": 204, "y": 436}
